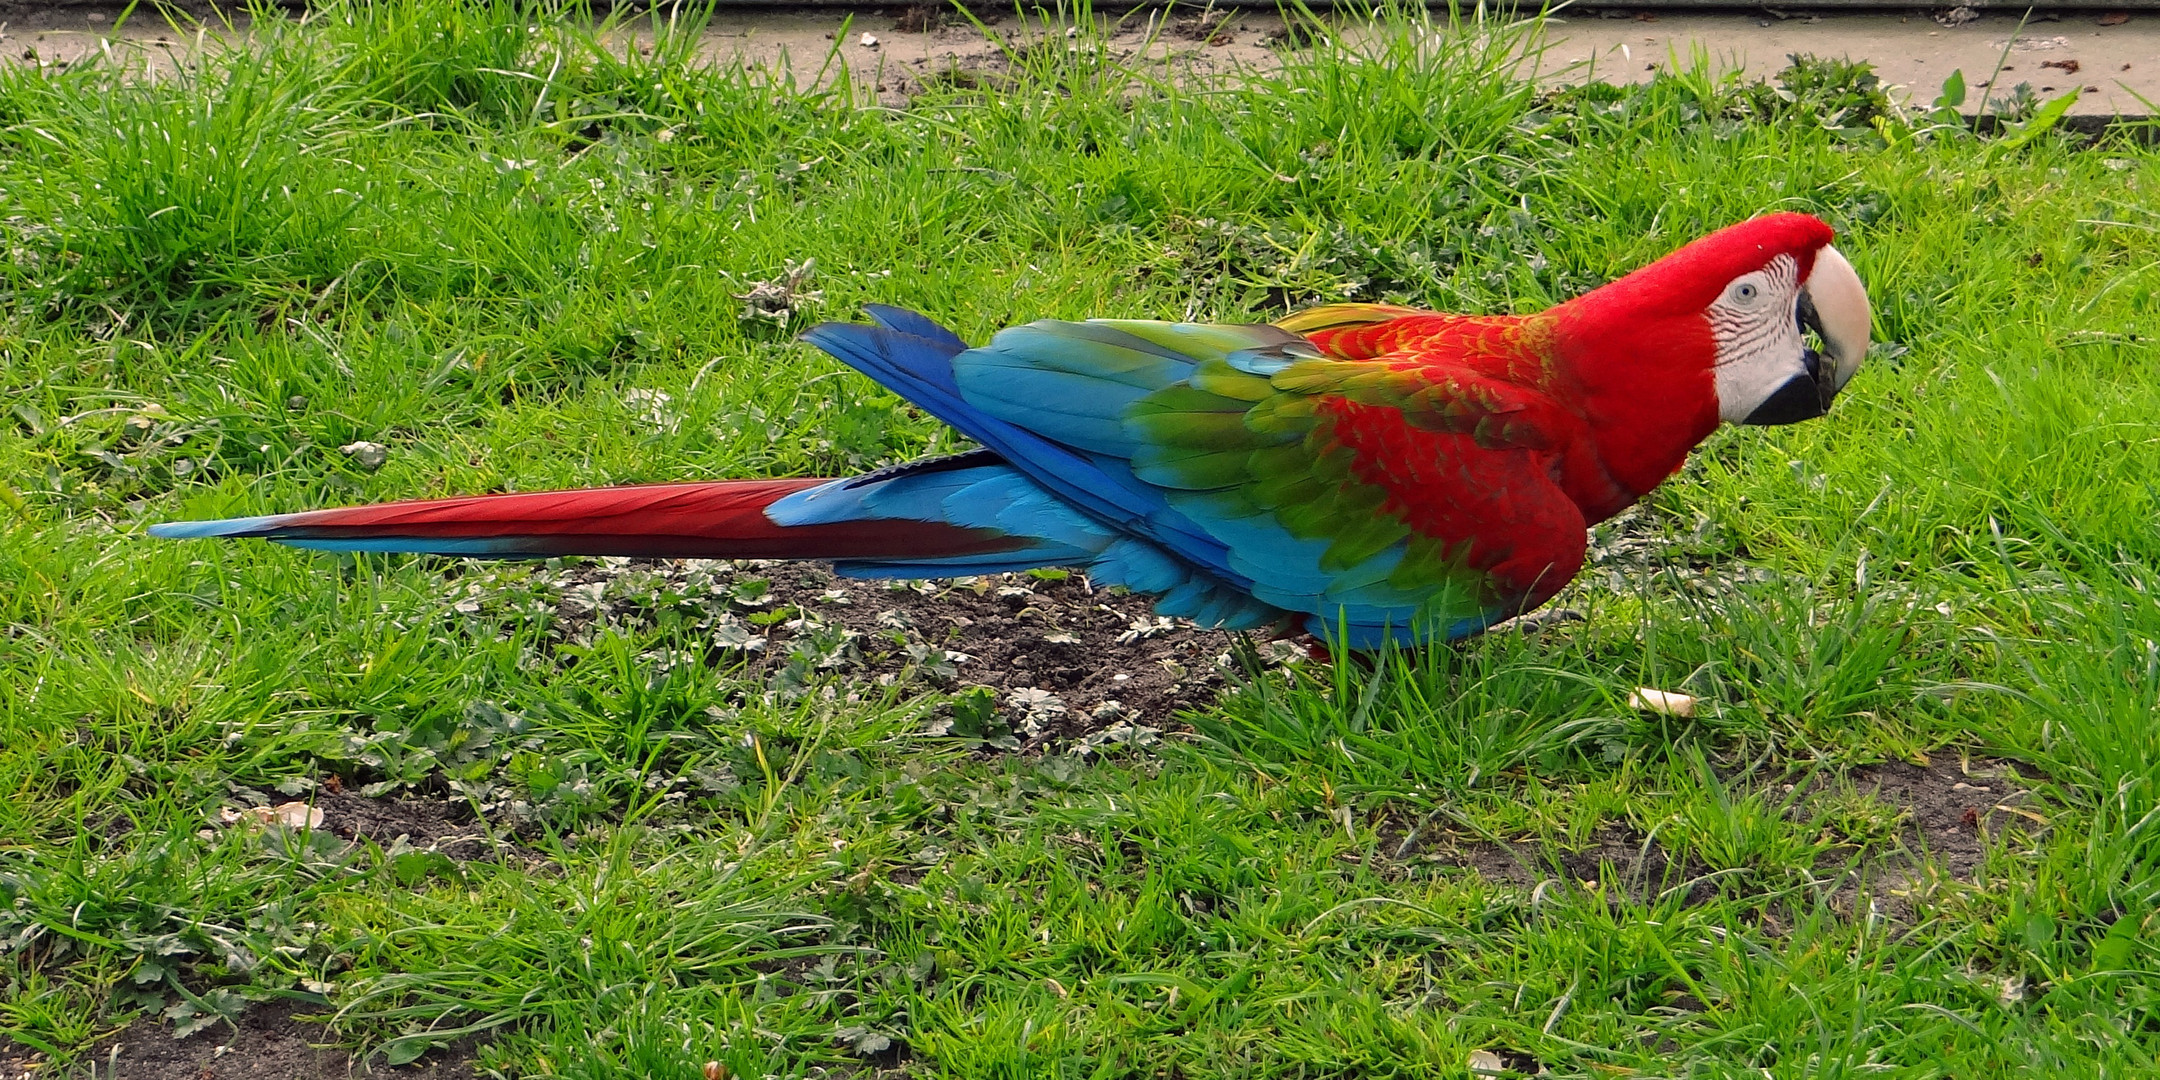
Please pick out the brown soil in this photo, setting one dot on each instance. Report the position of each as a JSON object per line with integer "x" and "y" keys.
{"x": 1065, "y": 659}
{"x": 1209, "y": 27}
{"x": 267, "y": 1044}
{"x": 919, "y": 19}
{"x": 1949, "y": 810}
{"x": 1643, "y": 870}
{"x": 1946, "y": 812}
{"x": 445, "y": 825}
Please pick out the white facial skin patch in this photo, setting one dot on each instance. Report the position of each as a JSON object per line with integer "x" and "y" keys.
{"x": 1757, "y": 326}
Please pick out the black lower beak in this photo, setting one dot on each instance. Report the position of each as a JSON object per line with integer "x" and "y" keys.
{"x": 1801, "y": 398}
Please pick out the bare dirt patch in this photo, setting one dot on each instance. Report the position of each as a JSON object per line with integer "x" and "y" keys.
{"x": 1950, "y": 806}
{"x": 1065, "y": 659}
{"x": 269, "y": 1042}
{"x": 429, "y": 824}
{"x": 1945, "y": 812}
{"x": 1208, "y": 26}
{"x": 1643, "y": 869}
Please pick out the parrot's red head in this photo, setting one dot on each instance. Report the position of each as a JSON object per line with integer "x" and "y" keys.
{"x": 1745, "y": 299}
{"x": 1719, "y": 330}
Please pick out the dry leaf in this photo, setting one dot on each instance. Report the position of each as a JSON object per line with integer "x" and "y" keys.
{"x": 1662, "y": 702}
{"x": 715, "y": 1071}
{"x": 1485, "y": 1061}
{"x": 297, "y": 815}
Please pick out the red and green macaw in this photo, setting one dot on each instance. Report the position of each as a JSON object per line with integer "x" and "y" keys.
{"x": 1358, "y": 471}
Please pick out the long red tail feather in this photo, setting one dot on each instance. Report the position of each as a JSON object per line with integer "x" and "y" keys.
{"x": 721, "y": 520}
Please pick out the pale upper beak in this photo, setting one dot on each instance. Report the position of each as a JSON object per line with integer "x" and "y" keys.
{"x": 1834, "y": 305}
{"x": 1838, "y": 302}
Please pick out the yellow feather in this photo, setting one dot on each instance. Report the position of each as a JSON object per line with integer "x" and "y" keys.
{"x": 1332, "y": 316}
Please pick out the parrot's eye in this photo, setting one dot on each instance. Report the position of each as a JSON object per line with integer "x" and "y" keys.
{"x": 1749, "y": 295}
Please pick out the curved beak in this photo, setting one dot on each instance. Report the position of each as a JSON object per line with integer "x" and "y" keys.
{"x": 1834, "y": 305}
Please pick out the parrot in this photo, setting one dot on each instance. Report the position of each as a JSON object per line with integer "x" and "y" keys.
{"x": 1364, "y": 473}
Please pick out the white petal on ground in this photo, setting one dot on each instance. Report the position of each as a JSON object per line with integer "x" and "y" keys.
{"x": 1662, "y": 702}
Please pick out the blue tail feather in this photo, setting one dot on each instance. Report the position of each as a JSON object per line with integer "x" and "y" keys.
{"x": 903, "y": 321}
{"x": 501, "y": 547}
{"x": 199, "y": 530}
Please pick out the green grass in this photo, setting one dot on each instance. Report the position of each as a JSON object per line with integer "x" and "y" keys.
{"x": 476, "y": 236}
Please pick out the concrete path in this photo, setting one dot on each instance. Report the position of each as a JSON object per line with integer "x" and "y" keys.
{"x": 2114, "y": 59}
{"x": 2115, "y": 65}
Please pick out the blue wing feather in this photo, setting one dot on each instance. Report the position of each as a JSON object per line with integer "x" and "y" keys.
{"x": 922, "y": 371}
{"x": 1052, "y": 399}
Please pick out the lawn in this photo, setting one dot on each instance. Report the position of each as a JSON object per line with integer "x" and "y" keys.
{"x": 1913, "y": 828}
